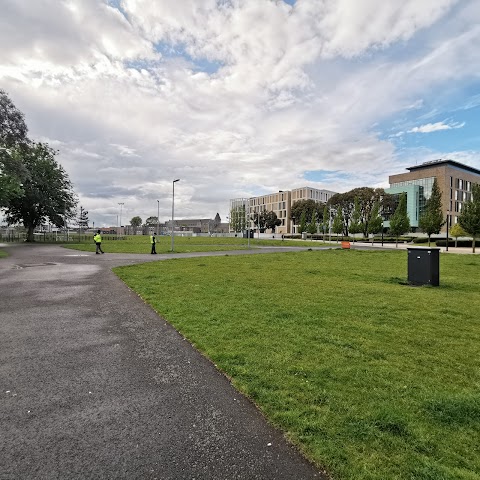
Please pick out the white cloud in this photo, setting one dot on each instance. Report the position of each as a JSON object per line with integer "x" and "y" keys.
{"x": 435, "y": 127}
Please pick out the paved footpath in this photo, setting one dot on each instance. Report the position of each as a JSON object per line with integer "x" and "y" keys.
{"x": 95, "y": 385}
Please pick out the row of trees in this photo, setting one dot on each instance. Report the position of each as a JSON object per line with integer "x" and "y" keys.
{"x": 34, "y": 188}
{"x": 363, "y": 210}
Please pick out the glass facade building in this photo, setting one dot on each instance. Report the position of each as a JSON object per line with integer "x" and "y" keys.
{"x": 454, "y": 180}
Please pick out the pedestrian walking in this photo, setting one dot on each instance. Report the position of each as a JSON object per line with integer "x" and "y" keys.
{"x": 153, "y": 241}
{"x": 97, "y": 238}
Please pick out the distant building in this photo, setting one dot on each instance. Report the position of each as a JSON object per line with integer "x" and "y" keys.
{"x": 454, "y": 181}
{"x": 280, "y": 203}
{"x": 197, "y": 225}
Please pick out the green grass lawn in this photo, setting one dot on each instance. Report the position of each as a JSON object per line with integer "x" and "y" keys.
{"x": 3, "y": 254}
{"x": 371, "y": 378}
{"x": 141, "y": 244}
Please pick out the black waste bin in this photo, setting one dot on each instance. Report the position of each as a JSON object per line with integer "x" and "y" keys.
{"x": 424, "y": 266}
{"x": 247, "y": 232}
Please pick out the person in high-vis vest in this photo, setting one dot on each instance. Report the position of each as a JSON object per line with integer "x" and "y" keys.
{"x": 97, "y": 238}
{"x": 153, "y": 241}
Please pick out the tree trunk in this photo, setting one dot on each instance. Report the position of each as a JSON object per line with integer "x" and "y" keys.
{"x": 429, "y": 240}
{"x": 396, "y": 242}
{"x": 473, "y": 245}
{"x": 30, "y": 237}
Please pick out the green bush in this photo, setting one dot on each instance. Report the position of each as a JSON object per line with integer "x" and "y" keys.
{"x": 460, "y": 243}
{"x": 420, "y": 240}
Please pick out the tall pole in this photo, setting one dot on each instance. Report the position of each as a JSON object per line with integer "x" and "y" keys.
{"x": 173, "y": 209}
{"x": 80, "y": 222}
{"x": 158, "y": 215}
{"x": 447, "y": 235}
{"x": 121, "y": 207}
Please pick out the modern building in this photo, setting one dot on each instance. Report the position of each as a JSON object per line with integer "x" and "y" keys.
{"x": 454, "y": 181}
{"x": 280, "y": 203}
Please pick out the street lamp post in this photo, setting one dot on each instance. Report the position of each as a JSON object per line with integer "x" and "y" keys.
{"x": 173, "y": 209}
{"x": 447, "y": 236}
{"x": 121, "y": 207}
{"x": 158, "y": 215}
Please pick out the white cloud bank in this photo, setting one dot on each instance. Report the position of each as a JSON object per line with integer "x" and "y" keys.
{"x": 234, "y": 97}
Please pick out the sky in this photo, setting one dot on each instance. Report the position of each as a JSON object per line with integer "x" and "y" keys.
{"x": 238, "y": 98}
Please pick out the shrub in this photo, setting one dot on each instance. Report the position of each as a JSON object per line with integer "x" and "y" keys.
{"x": 460, "y": 243}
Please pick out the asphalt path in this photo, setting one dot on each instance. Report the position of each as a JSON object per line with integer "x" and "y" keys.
{"x": 94, "y": 384}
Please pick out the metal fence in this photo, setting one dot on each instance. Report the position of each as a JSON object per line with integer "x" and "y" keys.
{"x": 55, "y": 237}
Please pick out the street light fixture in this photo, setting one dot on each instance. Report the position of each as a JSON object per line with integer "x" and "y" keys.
{"x": 173, "y": 209}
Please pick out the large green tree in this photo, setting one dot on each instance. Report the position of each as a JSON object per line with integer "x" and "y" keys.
{"x": 356, "y": 224}
{"x": 12, "y": 174}
{"x": 366, "y": 196}
{"x": 431, "y": 220}
{"x": 135, "y": 222}
{"x": 258, "y": 219}
{"x": 271, "y": 220}
{"x": 151, "y": 221}
{"x": 13, "y": 129}
{"x": 303, "y": 222}
{"x": 312, "y": 226}
{"x": 375, "y": 222}
{"x": 399, "y": 221}
{"x": 13, "y": 136}
{"x": 469, "y": 219}
{"x": 47, "y": 193}
{"x": 338, "y": 222}
{"x": 309, "y": 207}
{"x": 325, "y": 221}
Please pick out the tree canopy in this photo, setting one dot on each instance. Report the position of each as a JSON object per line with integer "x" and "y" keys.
{"x": 13, "y": 135}
{"x": 12, "y": 173}
{"x": 338, "y": 222}
{"x": 367, "y": 197}
{"x": 469, "y": 219}
{"x": 271, "y": 220}
{"x": 13, "y": 129}
{"x": 309, "y": 207}
{"x": 356, "y": 224}
{"x": 431, "y": 221}
{"x": 47, "y": 193}
{"x": 151, "y": 221}
{"x": 136, "y": 222}
{"x": 399, "y": 221}
{"x": 375, "y": 222}
{"x": 457, "y": 231}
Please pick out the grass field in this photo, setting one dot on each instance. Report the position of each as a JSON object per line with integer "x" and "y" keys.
{"x": 141, "y": 244}
{"x": 373, "y": 379}
{"x": 3, "y": 254}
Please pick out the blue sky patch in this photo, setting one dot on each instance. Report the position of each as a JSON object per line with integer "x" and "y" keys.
{"x": 178, "y": 51}
{"x": 324, "y": 175}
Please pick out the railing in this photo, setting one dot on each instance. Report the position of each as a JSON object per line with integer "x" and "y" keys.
{"x": 55, "y": 237}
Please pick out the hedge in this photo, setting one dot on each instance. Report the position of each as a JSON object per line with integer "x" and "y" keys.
{"x": 460, "y": 243}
